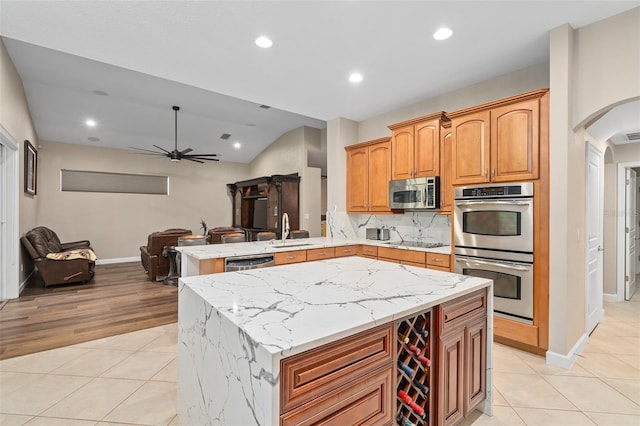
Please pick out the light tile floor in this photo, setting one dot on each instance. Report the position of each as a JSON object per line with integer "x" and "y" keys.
{"x": 131, "y": 379}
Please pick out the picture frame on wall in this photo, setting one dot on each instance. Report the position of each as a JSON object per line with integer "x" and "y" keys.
{"x": 30, "y": 168}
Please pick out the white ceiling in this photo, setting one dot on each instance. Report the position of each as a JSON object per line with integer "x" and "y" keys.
{"x": 200, "y": 55}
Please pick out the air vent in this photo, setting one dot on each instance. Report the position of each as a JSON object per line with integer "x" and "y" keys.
{"x": 265, "y": 106}
{"x": 633, "y": 136}
{"x": 225, "y": 136}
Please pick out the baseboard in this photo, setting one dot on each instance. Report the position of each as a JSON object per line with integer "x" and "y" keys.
{"x": 117, "y": 260}
{"x": 567, "y": 361}
{"x": 23, "y": 284}
{"x": 610, "y": 297}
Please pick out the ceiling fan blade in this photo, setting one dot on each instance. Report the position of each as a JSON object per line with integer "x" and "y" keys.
{"x": 201, "y": 158}
{"x": 161, "y": 149}
{"x": 146, "y": 150}
{"x": 202, "y": 155}
{"x": 185, "y": 151}
{"x": 152, "y": 154}
{"x": 193, "y": 159}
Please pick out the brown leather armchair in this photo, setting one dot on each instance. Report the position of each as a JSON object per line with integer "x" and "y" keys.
{"x": 41, "y": 241}
{"x": 155, "y": 265}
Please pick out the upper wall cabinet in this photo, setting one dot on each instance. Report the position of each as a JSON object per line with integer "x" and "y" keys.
{"x": 368, "y": 175}
{"x": 415, "y": 147}
{"x": 446, "y": 158}
{"x": 498, "y": 141}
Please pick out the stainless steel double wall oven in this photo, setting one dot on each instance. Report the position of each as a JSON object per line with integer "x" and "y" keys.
{"x": 493, "y": 237}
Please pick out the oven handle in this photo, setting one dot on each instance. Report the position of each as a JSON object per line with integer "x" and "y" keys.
{"x": 492, "y": 203}
{"x": 492, "y": 263}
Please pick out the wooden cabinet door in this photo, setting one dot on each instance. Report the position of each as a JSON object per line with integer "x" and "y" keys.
{"x": 402, "y": 153}
{"x": 471, "y": 148}
{"x": 446, "y": 181}
{"x": 475, "y": 358}
{"x": 426, "y": 149}
{"x": 515, "y": 141}
{"x": 450, "y": 377}
{"x": 358, "y": 180}
{"x": 379, "y": 175}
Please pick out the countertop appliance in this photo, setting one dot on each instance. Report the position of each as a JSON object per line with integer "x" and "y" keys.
{"x": 415, "y": 194}
{"x": 493, "y": 238}
{"x": 254, "y": 261}
{"x": 377, "y": 234}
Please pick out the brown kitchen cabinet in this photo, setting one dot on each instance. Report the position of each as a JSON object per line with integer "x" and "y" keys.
{"x": 446, "y": 177}
{"x": 320, "y": 253}
{"x": 498, "y": 141}
{"x": 405, "y": 257}
{"x": 368, "y": 175}
{"x": 343, "y": 251}
{"x": 439, "y": 261}
{"x": 287, "y": 257}
{"x": 462, "y": 330}
{"x": 415, "y": 147}
{"x": 346, "y": 382}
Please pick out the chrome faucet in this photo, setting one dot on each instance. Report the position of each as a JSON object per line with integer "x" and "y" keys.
{"x": 285, "y": 227}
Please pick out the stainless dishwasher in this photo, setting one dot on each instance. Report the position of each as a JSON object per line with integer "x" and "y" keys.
{"x": 252, "y": 261}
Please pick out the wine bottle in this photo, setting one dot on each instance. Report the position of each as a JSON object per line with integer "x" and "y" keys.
{"x": 424, "y": 389}
{"x": 407, "y": 400}
{"x": 424, "y": 360}
{"x": 423, "y": 332}
{"x": 414, "y": 349}
{"x": 403, "y": 338}
{"x": 408, "y": 370}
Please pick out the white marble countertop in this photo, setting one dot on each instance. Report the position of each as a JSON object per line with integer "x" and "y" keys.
{"x": 292, "y": 308}
{"x": 212, "y": 251}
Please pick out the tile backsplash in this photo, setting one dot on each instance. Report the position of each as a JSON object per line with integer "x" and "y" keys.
{"x": 425, "y": 227}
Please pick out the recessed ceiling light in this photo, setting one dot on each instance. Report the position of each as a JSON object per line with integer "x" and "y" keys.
{"x": 355, "y": 77}
{"x": 443, "y": 33}
{"x": 264, "y": 42}
{"x": 236, "y": 145}
{"x": 90, "y": 123}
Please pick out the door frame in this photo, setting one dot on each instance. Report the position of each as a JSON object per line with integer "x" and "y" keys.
{"x": 620, "y": 224}
{"x": 9, "y": 216}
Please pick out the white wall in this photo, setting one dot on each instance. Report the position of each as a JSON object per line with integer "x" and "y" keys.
{"x": 288, "y": 154}
{"x": 118, "y": 224}
{"x": 583, "y": 85}
{"x": 16, "y": 119}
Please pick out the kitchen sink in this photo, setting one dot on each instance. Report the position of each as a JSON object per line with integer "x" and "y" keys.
{"x": 291, "y": 245}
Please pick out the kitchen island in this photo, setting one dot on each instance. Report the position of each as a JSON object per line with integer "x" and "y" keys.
{"x": 268, "y": 346}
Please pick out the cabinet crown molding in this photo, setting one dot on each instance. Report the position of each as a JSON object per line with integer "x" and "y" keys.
{"x": 500, "y": 102}
{"x": 367, "y": 143}
{"x": 442, "y": 116}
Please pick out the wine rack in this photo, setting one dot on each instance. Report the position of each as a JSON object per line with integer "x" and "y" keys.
{"x": 415, "y": 371}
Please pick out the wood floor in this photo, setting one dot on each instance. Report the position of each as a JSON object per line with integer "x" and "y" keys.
{"x": 118, "y": 300}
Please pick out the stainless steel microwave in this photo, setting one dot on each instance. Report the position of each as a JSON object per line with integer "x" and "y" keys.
{"x": 415, "y": 194}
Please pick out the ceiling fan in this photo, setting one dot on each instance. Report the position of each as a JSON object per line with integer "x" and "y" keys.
{"x": 177, "y": 155}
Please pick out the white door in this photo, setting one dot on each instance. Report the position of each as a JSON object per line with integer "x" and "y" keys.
{"x": 637, "y": 224}
{"x": 594, "y": 226}
{"x": 630, "y": 234}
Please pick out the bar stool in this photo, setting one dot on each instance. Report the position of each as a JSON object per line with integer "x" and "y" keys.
{"x": 266, "y": 236}
{"x": 236, "y": 237}
{"x": 299, "y": 233}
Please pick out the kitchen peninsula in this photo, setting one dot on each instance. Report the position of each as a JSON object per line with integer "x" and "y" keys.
{"x": 349, "y": 338}
{"x": 207, "y": 259}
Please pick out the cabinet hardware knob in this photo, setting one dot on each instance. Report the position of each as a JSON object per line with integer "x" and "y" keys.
{"x": 486, "y": 172}
{"x": 493, "y": 172}
{"x": 291, "y": 257}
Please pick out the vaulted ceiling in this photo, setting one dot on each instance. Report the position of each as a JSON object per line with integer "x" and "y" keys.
{"x": 125, "y": 63}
